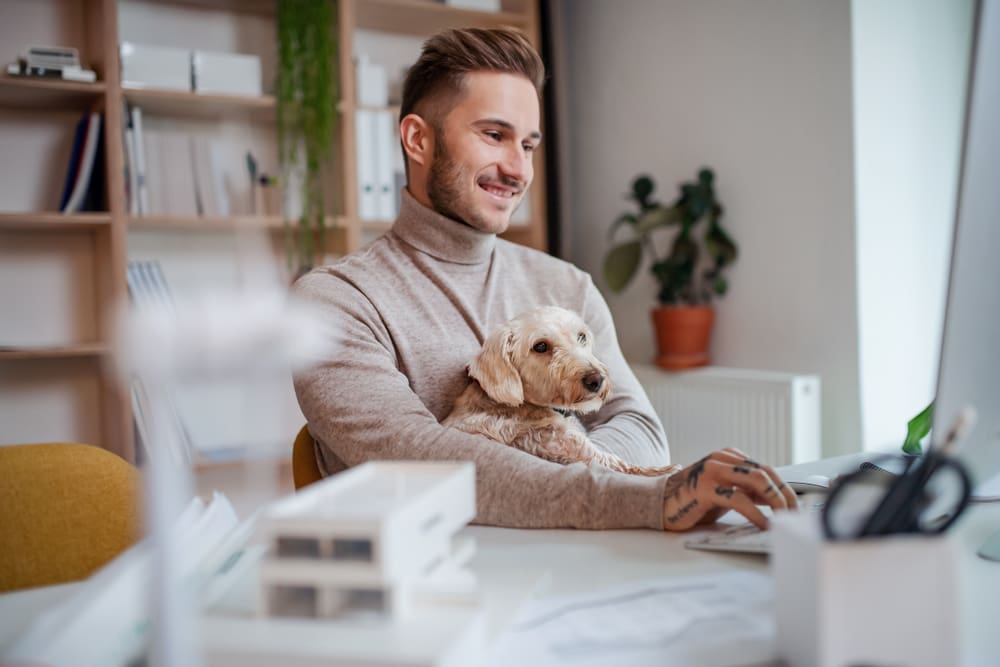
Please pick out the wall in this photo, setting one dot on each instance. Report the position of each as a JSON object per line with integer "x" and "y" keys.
{"x": 907, "y": 146}
{"x": 761, "y": 92}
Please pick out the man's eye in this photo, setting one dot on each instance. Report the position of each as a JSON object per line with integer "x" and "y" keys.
{"x": 541, "y": 347}
{"x": 582, "y": 338}
{"x": 529, "y": 148}
{"x": 494, "y": 135}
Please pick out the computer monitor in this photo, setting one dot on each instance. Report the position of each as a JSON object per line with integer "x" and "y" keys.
{"x": 969, "y": 370}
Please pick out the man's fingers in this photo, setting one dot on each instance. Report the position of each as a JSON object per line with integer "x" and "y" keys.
{"x": 737, "y": 457}
{"x": 756, "y": 483}
{"x": 734, "y": 499}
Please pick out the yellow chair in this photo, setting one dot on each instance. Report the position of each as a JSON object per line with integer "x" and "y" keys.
{"x": 66, "y": 509}
{"x": 305, "y": 470}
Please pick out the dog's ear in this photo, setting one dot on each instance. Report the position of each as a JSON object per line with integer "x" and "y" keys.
{"x": 494, "y": 370}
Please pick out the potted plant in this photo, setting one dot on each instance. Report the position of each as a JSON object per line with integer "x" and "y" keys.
{"x": 307, "y": 115}
{"x": 689, "y": 272}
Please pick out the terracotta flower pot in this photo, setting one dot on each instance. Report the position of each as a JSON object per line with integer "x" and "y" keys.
{"x": 682, "y": 335}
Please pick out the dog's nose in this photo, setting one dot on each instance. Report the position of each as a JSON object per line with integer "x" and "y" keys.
{"x": 593, "y": 382}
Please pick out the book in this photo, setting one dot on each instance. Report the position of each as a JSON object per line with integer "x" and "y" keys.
{"x": 84, "y": 170}
{"x": 74, "y": 159}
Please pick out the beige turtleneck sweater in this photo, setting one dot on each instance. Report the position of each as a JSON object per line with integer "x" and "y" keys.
{"x": 412, "y": 309}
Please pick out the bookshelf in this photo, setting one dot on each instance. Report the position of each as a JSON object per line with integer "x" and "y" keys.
{"x": 34, "y": 94}
{"x": 199, "y": 105}
{"x": 62, "y": 275}
{"x": 61, "y": 385}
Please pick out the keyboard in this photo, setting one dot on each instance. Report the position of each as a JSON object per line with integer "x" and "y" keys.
{"x": 746, "y": 537}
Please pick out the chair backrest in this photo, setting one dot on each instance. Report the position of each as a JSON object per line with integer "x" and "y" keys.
{"x": 305, "y": 470}
{"x": 66, "y": 509}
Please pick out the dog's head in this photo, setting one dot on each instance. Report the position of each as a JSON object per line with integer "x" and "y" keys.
{"x": 543, "y": 357}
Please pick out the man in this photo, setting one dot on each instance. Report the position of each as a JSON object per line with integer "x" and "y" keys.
{"x": 413, "y": 309}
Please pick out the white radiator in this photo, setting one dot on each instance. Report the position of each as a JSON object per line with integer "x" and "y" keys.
{"x": 773, "y": 417}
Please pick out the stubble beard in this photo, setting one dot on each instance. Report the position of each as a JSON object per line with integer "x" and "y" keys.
{"x": 444, "y": 190}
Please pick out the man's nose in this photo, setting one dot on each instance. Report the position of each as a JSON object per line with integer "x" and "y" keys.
{"x": 517, "y": 164}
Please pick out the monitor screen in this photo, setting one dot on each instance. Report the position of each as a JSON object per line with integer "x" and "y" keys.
{"x": 969, "y": 371}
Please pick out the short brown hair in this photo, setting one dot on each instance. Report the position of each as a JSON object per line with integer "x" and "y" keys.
{"x": 451, "y": 54}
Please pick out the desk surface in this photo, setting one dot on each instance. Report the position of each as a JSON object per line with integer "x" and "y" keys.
{"x": 514, "y": 564}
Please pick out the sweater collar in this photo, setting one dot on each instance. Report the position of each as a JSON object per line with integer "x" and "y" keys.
{"x": 439, "y": 236}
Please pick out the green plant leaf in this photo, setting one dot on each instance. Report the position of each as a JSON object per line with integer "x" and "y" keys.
{"x": 307, "y": 91}
{"x": 917, "y": 429}
{"x": 657, "y": 217}
{"x": 621, "y": 264}
{"x": 642, "y": 188}
{"x": 720, "y": 246}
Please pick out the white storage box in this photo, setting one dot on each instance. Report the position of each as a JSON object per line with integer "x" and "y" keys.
{"x": 878, "y": 601}
{"x": 226, "y": 73}
{"x": 145, "y": 66}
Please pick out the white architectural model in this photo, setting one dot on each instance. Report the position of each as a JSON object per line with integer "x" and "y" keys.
{"x": 363, "y": 569}
{"x": 375, "y": 538}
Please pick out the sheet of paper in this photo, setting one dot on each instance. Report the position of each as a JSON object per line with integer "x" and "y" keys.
{"x": 723, "y": 619}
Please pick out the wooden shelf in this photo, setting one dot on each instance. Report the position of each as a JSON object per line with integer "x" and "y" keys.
{"x": 199, "y": 105}
{"x": 220, "y": 223}
{"x": 47, "y": 94}
{"x": 56, "y": 352}
{"x": 53, "y": 221}
{"x": 423, "y": 17}
{"x": 266, "y": 7}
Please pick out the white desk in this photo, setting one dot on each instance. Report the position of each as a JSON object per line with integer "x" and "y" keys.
{"x": 512, "y": 564}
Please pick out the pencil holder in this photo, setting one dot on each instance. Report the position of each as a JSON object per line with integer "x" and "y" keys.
{"x": 877, "y": 601}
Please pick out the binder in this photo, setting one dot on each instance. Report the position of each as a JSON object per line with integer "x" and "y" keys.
{"x": 131, "y": 165}
{"x": 142, "y": 180}
{"x": 384, "y": 164}
{"x": 364, "y": 131}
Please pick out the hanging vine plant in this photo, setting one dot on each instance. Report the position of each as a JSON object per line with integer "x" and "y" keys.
{"x": 307, "y": 115}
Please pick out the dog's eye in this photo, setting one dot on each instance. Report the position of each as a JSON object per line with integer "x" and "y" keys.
{"x": 582, "y": 338}
{"x": 541, "y": 347}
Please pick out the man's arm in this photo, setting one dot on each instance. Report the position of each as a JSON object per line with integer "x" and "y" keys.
{"x": 361, "y": 407}
{"x": 626, "y": 425}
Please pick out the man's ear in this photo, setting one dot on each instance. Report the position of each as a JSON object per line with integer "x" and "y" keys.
{"x": 494, "y": 370}
{"x": 417, "y": 138}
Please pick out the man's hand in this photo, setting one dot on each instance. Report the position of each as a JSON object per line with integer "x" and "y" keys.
{"x": 723, "y": 481}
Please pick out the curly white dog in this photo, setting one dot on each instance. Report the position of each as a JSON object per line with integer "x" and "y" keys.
{"x": 530, "y": 376}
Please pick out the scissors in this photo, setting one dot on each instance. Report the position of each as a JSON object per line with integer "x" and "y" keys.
{"x": 928, "y": 496}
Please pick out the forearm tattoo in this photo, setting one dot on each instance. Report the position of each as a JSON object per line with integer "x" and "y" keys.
{"x": 676, "y": 516}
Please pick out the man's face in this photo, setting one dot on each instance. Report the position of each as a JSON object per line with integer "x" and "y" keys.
{"x": 483, "y": 149}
